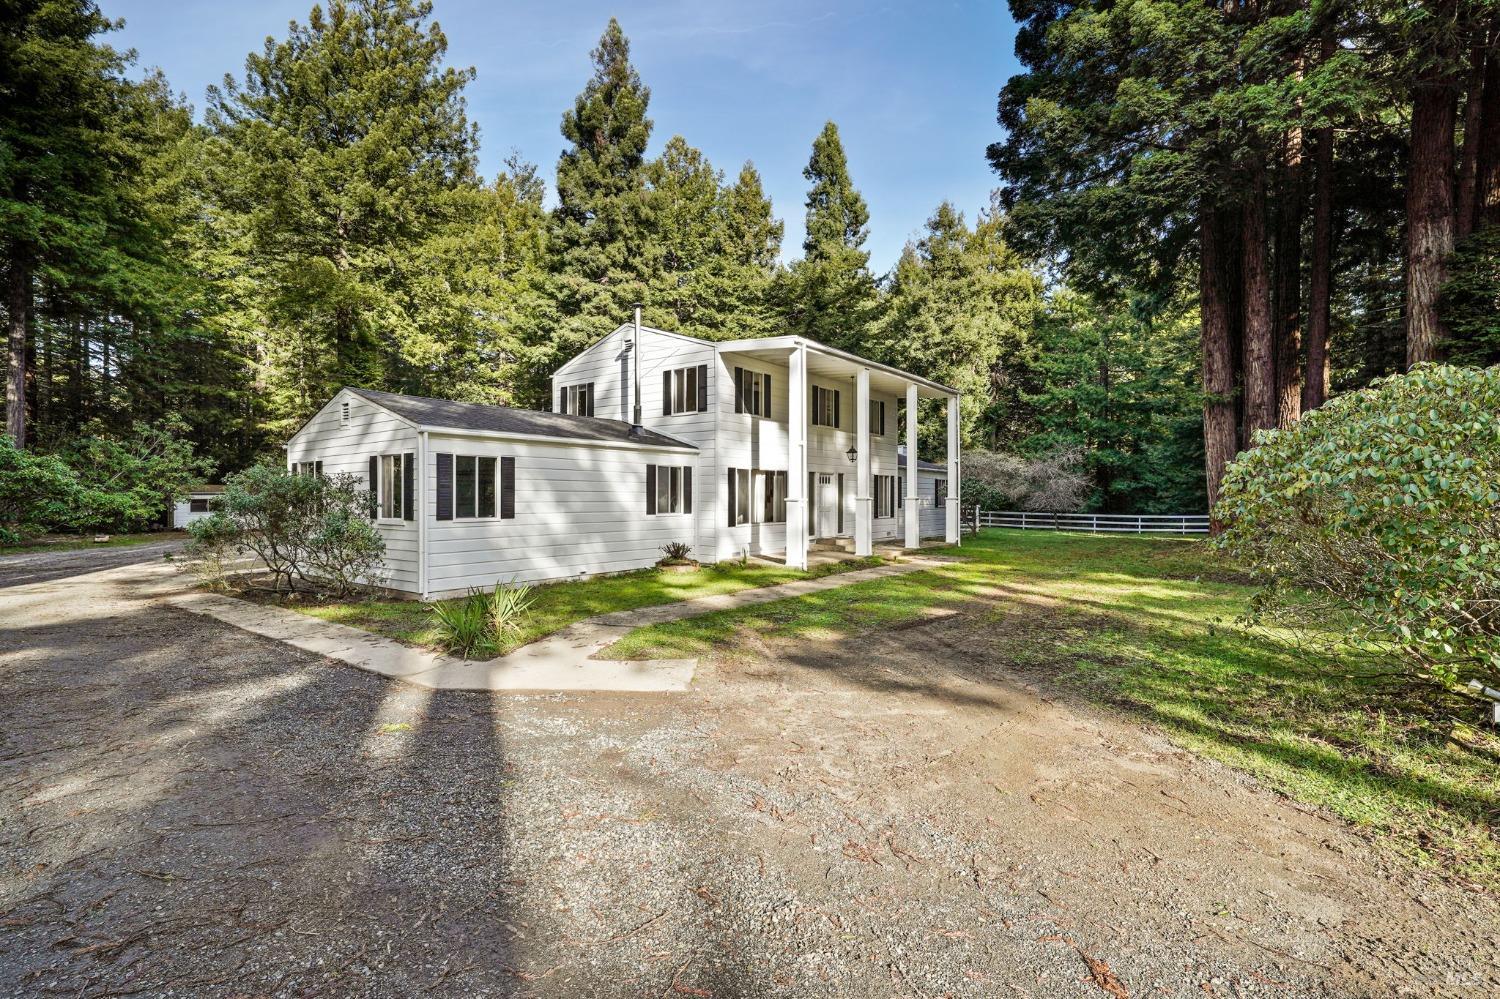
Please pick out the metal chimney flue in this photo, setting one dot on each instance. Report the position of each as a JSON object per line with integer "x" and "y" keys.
{"x": 636, "y": 422}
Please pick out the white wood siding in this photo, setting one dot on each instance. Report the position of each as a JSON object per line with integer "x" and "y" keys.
{"x": 580, "y": 509}
{"x": 931, "y": 518}
{"x": 371, "y": 431}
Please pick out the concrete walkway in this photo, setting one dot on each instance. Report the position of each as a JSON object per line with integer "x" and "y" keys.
{"x": 562, "y": 661}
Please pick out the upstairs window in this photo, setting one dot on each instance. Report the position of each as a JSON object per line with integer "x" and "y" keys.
{"x": 877, "y": 417}
{"x": 576, "y": 399}
{"x": 684, "y": 390}
{"x": 825, "y": 407}
{"x": 752, "y": 392}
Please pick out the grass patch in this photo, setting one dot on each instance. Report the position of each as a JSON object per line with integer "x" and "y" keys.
{"x": 1147, "y": 625}
{"x": 558, "y": 605}
{"x": 74, "y": 542}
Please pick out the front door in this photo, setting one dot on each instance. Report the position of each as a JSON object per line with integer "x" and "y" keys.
{"x": 827, "y": 525}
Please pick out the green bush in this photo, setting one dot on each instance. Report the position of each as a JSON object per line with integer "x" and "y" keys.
{"x": 37, "y": 492}
{"x": 463, "y": 626}
{"x": 1382, "y": 508}
{"x": 307, "y": 527}
{"x": 507, "y": 609}
{"x": 215, "y": 542}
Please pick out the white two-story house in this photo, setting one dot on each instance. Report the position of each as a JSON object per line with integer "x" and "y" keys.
{"x": 749, "y": 447}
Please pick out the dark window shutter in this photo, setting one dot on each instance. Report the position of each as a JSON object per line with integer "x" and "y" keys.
{"x": 562, "y": 400}
{"x": 841, "y": 495}
{"x": 702, "y": 388}
{"x": 666, "y": 393}
{"x": 444, "y": 487}
{"x": 650, "y": 489}
{"x": 374, "y": 486}
{"x": 731, "y": 497}
{"x": 739, "y": 390}
{"x": 507, "y": 488}
{"x": 836, "y": 411}
{"x": 765, "y": 398}
{"x": 591, "y": 398}
{"x": 408, "y": 485}
{"x": 687, "y": 489}
{"x": 812, "y": 503}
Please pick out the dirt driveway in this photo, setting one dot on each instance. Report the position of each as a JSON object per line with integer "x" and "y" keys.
{"x": 190, "y": 810}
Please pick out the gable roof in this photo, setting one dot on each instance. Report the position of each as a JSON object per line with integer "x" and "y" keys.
{"x": 444, "y": 414}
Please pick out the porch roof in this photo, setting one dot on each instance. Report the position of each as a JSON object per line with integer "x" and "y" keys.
{"x": 830, "y": 362}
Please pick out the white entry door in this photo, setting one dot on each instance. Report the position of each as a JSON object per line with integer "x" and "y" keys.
{"x": 828, "y": 506}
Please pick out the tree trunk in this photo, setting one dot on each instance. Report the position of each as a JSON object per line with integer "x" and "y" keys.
{"x": 1220, "y": 435}
{"x": 1487, "y": 185}
{"x": 1259, "y": 329}
{"x": 1465, "y": 216}
{"x": 18, "y": 306}
{"x": 1320, "y": 283}
{"x": 1288, "y": 334}
{"x": 1429, "y": 213}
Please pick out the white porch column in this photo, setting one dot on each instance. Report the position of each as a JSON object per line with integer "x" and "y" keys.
{"x": 913, "y": 510}
{"x": 796, "y": 459}
{"x": 951, "y": 521}
{"x": 863, "y": 514}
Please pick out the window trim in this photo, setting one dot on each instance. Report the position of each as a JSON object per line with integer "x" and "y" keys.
{"x": 569, "y": 396}
{"x": 815, "y": 416}
{"x": 672, "y": 484}
{"x": 684, "y": 390}
{"x": 391, "y": 478}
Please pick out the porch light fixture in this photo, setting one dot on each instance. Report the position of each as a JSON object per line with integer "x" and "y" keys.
{"x": 853, "y": 454}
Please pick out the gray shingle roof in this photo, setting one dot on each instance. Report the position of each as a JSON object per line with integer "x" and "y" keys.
{"x": 505, "y": 420}
{"x": 922, "y": 463}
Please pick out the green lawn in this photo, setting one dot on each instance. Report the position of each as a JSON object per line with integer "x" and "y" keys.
{"x": 1147, "y": 625}
{"x": 558, "y": 605}
{"x": 72, "y": 542}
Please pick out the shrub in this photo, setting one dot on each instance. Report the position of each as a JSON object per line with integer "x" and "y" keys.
{"x": 303, "y": 526}
{"x": 128, "y": 482}
{"x": 37, "y": 491}
{"x": 1382, "y": 507}
{"x": 676, "y": 551}
{"x": 215, "y": 541}
{"x": 463, "y": 626}
{"x": 508, "y": 607}
{"x": 1052, "y": 483}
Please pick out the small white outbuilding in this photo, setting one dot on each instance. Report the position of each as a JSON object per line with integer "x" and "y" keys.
{"x": 198, "y": 504}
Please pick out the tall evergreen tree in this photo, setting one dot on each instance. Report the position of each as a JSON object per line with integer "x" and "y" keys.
{"x": 829, "y": 294}
{"x": 601, "y": 226}
{"x": 64, "y": 166}
{"x": 959, "y": 310}
{"x": 344, "y": 150}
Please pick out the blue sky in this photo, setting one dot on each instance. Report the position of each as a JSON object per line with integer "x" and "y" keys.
{"x": 912, "y": 86}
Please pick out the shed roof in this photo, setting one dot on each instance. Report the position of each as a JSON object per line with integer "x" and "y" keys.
{"x": 445, "y": 414}
{"x": 923, "y": 465}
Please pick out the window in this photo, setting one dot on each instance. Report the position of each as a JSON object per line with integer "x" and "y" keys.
{"x": 392, "y": 477}
{"x": 344, "y": 414}
{"x": 196, "y": 505}
{"x": 825, "y": 407}
{"x": 467, "y": 488}
{"x": 877, "y": 417}
{"x": 684, "y": 390}
{"x": 307, "y": 468}
{"x": 576, "y": 399}
{"x": 939, "y": 492}
{"x": 752, "y": 392}
{"x": 885, "y": 496}
{"x": 669, "y": 489}
{"x": 773, "y": 492}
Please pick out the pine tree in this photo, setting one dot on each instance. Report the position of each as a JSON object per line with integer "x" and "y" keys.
{"x": 601, "y": 227}
{"x": 829, "y": 294}
{"x": 63, "y": 166}
{"x": 345, "y": 149}
{"x": 958, "y": 310}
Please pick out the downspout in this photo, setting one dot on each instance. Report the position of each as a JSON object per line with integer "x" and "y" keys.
{"x": 421, "y": 480}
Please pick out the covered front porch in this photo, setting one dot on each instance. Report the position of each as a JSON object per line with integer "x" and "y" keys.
{"x": 817, "y": 476}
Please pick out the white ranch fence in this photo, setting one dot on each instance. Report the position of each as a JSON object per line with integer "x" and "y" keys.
{"x": 1094, "y": 523}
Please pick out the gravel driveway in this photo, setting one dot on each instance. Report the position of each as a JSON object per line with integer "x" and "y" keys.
{"x": 41, "y": 567}
{"x": 191, "y": 810}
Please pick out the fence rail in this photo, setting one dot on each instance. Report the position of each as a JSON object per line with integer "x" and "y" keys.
{"x": 1096, "y": 523}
